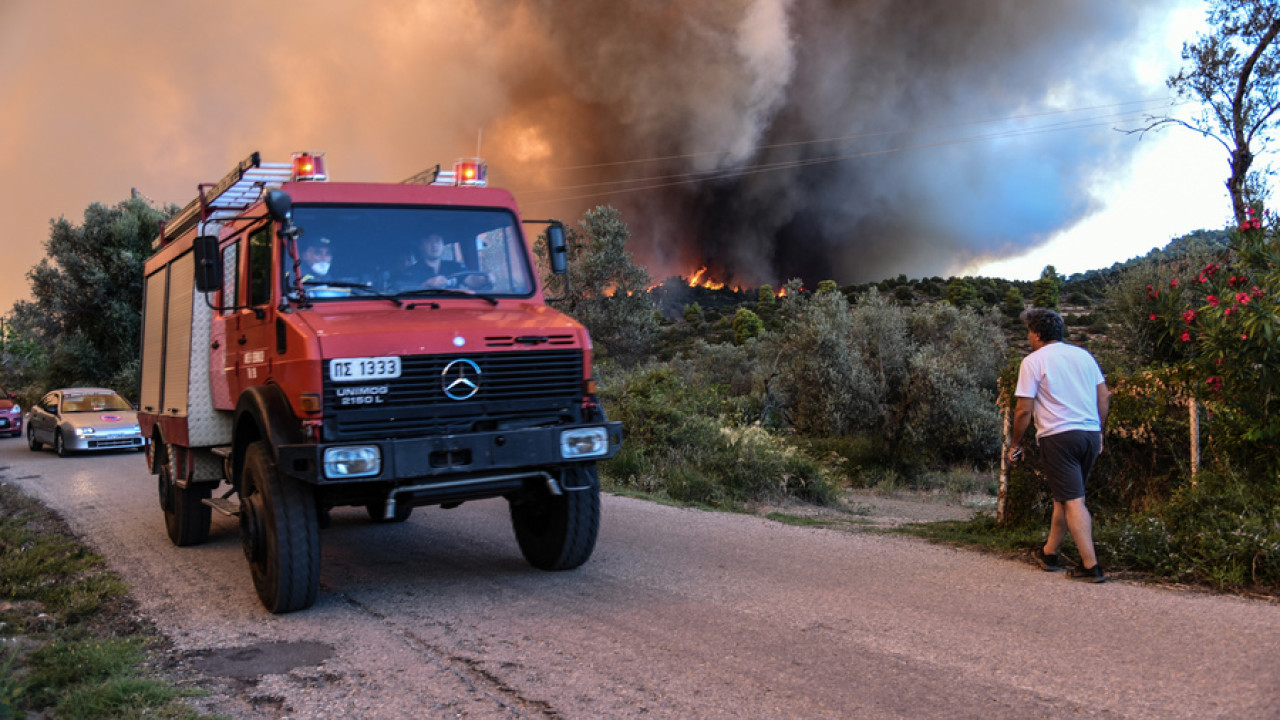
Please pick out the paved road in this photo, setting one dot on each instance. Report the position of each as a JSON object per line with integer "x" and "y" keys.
{"x": 680, "y": 614}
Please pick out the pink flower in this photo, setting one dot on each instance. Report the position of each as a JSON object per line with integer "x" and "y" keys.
{"x": 1152, "y": 318}
{"x": 1244, "y": 337}
{"x": 1173, "y": 282}
{"x": 1215, "y": 384}
{"x": 1257, "y": 292}
{"x": 1242, "y": 298}
{"x": 1227, "y": 312}
{"x": 1210, "y": 270}
{"x": 1234, "y": 281}
{"x": 1213, "y": 300}
{"x": 1186, "y": 337}
{"x": 1189, "y": 316}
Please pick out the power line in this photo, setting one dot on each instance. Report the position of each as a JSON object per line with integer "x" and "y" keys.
{"x": 859, "y": 136}
{"x": 677, "y": 179}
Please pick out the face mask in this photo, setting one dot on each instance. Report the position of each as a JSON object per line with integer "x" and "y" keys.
{"x": 321, "y": 268}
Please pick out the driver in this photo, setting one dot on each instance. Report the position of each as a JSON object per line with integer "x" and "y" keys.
{"x": 435, "y": 271}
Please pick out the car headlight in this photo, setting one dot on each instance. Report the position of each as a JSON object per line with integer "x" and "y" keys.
{"x": 15, "y": 410}
{"x": 81, "y": 432}
{"x": 352, "y": 461}
{"x": 584, "y": 443}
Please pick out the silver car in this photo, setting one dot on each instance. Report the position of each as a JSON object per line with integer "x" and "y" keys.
{"x": 74, "y": 419}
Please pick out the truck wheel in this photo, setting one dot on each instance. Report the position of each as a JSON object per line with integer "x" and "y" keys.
{"x": 558, "y": 532}
{"x": 186, "y": 518}
{"x": 32, "y": 442}
{"x": 378, "y": 510}
{"x": 280, "y": 533}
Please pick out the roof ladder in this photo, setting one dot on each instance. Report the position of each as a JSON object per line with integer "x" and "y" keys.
{"x": 227, "y": 198}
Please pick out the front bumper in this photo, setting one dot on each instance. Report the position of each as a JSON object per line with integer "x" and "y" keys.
{"x": 11, "y": 424}
{"x": 102, "y": 442}
{"x": 447, "y": 457}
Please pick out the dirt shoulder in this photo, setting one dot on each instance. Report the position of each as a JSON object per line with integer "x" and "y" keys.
{"x": 870, "y": 510}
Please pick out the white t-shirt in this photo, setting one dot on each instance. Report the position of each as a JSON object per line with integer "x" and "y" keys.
{"x": 1063, "y": 380}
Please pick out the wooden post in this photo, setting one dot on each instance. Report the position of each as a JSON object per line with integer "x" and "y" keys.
{"x": 1002, "y": 496}
{"x": 1195, "y": 438}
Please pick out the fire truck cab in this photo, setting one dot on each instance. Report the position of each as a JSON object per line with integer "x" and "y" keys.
{"x": 311, "y": 344}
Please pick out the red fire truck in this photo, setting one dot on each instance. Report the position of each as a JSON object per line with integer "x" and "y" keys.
{"x": 311, "y": 344}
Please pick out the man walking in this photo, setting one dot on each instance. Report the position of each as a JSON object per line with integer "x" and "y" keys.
{"x": 1061, "y": 387}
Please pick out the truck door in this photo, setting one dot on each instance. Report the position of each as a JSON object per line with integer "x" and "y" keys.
{"x": 222, "y": 360}
{"x": 252, "y": 338}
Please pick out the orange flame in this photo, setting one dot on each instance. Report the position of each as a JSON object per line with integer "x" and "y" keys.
{"x": 697, "y": 281}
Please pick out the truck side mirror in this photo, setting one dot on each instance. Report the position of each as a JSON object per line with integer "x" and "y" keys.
{"x": 208, "y": 264}
{"x": 280, "y": 206}
{"x": 557, "y": 249}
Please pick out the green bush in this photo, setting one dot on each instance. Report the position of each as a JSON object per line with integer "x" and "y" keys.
{"x": 680, "y": 444}
{"x": 1222, "y": 530}
{"x": 922, "y": 378}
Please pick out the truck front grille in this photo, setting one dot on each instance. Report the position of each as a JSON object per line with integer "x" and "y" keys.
{"x": 515, "y": 389}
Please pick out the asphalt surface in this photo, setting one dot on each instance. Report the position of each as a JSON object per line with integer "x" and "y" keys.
{"x": 679, "y": 614}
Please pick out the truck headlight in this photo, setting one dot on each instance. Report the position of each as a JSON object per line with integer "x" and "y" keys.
{"x": 352, "y": 461}
{"x": 584, "y": 443}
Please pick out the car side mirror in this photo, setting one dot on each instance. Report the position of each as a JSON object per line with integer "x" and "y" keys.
{"x": 208, "y": 264}
{"x": 557, "y": 249}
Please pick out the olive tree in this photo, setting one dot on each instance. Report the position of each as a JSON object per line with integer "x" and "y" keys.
{"x": 608, "y": 292}
{"x": 87, "y": 297}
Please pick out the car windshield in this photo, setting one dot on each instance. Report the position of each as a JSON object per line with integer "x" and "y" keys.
{"x": 392, "y": 250}
{"x": 93, "y": 402}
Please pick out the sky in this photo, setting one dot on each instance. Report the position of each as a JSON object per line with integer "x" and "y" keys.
{"x": 764, "y": 139}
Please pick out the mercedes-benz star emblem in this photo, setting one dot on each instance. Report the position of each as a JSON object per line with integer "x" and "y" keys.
{"x": 460, "y": 379}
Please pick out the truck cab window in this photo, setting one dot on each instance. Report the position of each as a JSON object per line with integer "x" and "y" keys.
{"x": 260, "y": 266}
{"x": 230, "y": 276}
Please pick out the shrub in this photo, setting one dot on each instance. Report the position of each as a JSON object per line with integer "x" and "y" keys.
{"x": 680, "y": 443}
{"x": 1223, "y": 530}
{"x": 1225, "y": 320}
{"x": 922, "y": 379}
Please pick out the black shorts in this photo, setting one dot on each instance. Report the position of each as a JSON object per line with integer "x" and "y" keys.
{"x": 1068, "y": 457}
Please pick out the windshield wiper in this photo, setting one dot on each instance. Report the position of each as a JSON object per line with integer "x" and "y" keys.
{"x": 425, "y": 292}
{"x": 354, "y": 286}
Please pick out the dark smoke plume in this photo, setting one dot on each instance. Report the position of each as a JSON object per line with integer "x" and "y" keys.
{"x": 636, "y": 103}
{"x": 711, "y": 85}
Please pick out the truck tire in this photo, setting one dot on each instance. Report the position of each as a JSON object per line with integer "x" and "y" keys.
{"x": 558, "y": 532}
{"x": 186, "y": 518}
{"x": 280, "y": 533}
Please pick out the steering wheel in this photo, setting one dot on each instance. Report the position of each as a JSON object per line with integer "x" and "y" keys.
{"x": 461, "y": 280}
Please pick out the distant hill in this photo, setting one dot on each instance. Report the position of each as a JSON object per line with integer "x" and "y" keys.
{"x": 1199, "y": 242}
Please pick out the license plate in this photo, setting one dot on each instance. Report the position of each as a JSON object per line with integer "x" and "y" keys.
{"x": 365, "y": 368}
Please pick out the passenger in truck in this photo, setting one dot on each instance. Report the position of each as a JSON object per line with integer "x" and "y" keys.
{"x": 317, "y": 260}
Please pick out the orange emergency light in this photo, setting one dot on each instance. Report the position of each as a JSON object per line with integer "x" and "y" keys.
{"x": 471, "y": 172}
{"x": 309, "y": 167}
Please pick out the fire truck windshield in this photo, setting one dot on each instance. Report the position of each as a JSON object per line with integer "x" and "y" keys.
{"x": 396, "y": 249}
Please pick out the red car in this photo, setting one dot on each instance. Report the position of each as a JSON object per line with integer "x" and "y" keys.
{"x": 10, "y": 414}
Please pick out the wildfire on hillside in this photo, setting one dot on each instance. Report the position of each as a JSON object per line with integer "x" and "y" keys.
{"x": 699, "y": 279}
